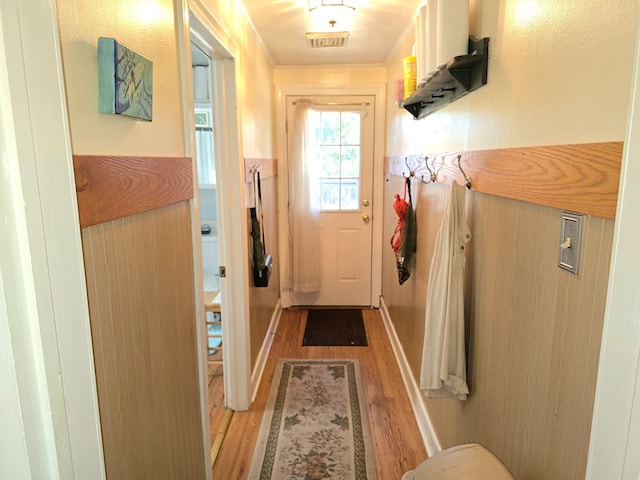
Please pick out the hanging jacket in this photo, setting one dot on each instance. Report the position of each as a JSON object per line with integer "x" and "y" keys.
{"x": 404, "y": 238}
{"x": 444, "y": 372}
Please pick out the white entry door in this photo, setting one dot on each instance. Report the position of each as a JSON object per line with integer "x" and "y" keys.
{"x": 344, "y": 149}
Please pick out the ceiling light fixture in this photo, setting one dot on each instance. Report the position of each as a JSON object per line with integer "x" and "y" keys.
{"x": 327, "y": 39}
{"x": 331, "y": 12}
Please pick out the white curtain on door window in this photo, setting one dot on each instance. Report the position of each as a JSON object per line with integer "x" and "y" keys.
{"x": 302, "y": 272}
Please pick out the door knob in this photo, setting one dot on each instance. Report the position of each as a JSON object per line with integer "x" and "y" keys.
{"x": 365, "y": 218}
{"x": 365, "y": 203}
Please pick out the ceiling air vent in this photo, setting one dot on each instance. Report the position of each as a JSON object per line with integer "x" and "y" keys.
{"x": 329, "y": 39}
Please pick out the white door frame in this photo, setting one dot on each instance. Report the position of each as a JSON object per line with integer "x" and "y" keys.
{"x": 615, "y": 431}
{"x": 378, "y": 92}
{"x": 44, "y": 319}
{"x": 230, "y": 196}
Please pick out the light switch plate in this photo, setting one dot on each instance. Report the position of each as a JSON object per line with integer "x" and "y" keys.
{"x": 569, "y": 248}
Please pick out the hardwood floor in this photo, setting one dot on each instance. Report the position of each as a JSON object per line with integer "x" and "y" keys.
{"x": 216, "y": 399}
{"x": 397, "y": 443}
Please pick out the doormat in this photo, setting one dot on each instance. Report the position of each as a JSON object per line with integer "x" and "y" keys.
{"x": 335, "y": 327}
{"x": 315, "y": 424}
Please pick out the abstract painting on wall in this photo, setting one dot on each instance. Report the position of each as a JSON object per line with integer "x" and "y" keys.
{"x": 125, "y": 80}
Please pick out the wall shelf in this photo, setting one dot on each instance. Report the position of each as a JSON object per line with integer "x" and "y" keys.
{"x": 459, "y": 76}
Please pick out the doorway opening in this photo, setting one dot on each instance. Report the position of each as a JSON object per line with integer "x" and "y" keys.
{"x": 338, "y": 153}
{"x": 335, "y": 99}
{"x": 220, "y": 196}
{"x": 203, "y": 65}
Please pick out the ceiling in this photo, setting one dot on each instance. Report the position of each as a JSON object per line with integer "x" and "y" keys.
{"x": 375, "y": 28}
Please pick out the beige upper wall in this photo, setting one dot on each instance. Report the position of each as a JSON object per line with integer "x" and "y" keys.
{"x": 255, "y": 89}
{"x": 254, "y": 75}
{"x": 256, "y": 116}
{"x": 337, "y": 75}
{"x": 559, "y": 72}
{"x": 146, "y": 27}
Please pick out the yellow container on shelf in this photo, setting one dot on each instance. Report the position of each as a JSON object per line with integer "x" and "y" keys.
{"x": 409, "y": 74}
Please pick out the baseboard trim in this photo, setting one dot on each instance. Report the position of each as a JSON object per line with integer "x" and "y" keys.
{"x": 429, "y": 437}
{"x": 256, "y": 376}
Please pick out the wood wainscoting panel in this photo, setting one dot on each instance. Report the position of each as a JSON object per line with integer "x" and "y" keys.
{"x": 533, "y": 329}
{"x": 581, "y": 178}
{"x": 141, "y": 302}
{"x": 110, "y": 187}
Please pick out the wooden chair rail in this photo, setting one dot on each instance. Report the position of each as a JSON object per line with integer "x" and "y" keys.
{"x": 581, "y": 178}
{"x": 268, "y": 167}
{"x": 112, "y": 187}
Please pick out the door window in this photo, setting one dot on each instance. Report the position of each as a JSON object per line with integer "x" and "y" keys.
{"x": 335, "y": 148}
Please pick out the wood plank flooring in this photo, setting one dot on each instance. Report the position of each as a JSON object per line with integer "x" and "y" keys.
{"x": 397, "y": 443}
{"x": 216, "y": 399}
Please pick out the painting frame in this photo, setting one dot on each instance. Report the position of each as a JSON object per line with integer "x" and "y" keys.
{"x": 202, "y": 117}
{"x": 125, "y": 79}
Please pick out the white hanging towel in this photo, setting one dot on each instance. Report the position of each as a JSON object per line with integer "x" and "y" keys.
{"x": 444, "y": 372}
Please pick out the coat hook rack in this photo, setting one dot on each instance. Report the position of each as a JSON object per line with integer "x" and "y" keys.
{"x": 467, "y": 180}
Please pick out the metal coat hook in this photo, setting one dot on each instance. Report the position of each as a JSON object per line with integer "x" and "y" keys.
{"x": 467, "y": 180}
{"x": 432, "y": 174}
{"x": 412, "y": 173}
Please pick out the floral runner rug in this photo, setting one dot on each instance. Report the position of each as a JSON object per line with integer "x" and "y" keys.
{"x": 315, "y": 425}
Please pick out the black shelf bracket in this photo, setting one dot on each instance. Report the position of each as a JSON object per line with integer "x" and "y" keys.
{"x": 459, "y": 76}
